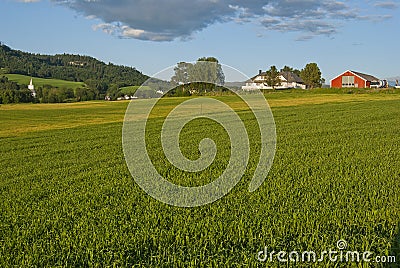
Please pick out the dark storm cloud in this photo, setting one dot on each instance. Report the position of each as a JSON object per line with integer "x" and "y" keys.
{"x": 160, "y": 20}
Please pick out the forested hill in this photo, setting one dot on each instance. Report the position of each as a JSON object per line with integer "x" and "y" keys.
{"x": 94, "y": 73}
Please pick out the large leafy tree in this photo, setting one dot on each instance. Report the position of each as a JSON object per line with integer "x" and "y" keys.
{"x": 311, "y": 75}
{"x": 181, "y": 76}
{"x": 272, "y": 77}
{"x": 206, "y": 69}
{"x": 210, "y": 70}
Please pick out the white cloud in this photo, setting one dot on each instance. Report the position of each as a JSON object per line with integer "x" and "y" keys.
{"x": 387, "y": 4}
{"x": 106, "y": 27}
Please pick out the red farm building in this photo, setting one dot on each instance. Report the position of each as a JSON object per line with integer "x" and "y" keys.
{"x": 355, "y": 79}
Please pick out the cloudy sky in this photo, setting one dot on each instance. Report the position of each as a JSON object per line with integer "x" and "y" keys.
{"x": 246, "y": 34}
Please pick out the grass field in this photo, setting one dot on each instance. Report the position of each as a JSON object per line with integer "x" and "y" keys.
{"x": 130, "y": 90}
{"x": 68, "y": 198}
{"x": 23, "y": 79}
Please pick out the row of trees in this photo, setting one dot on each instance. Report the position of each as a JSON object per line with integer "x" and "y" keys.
{"x": 11, "y": 92}
{"x": 311, "y": 75}
{"x": 15, "y": 96}
{"x": 49, "y": 94}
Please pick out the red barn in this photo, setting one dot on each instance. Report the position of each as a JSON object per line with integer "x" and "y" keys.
{"x": 354, "y": 79}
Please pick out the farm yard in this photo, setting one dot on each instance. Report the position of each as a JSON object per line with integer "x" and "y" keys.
{"x": 68, "y": 198}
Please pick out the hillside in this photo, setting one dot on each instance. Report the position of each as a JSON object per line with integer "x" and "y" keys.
{"x": 40, "y": 82}
{"x": 95, "y": 74}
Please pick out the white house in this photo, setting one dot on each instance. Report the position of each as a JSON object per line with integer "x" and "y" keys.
{"x": 288, "y": 80}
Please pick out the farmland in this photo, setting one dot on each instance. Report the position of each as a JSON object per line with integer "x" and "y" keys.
{"x": 68, "y": 198}
{"x": 23, "y": 79}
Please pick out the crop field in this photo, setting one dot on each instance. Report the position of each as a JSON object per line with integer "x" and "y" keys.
{"x": 68, "y": 199}
{"x": 23, "y": 79}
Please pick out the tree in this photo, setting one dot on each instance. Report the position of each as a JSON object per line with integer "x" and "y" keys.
{"x": 311, "y": 75}
{"x": 7, "y": 96}
{"x": 288, "y": 69}
{"x": 213, "y": 70}
{"x": 206, "y": 69}
{"x": 181, "y": 73}
{"x": 272, "y": 77}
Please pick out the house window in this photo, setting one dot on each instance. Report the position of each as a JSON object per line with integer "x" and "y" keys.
{"x": 347, "y": 81}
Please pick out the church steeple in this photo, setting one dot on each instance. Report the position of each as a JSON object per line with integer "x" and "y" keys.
{"x": 31, "y": 87}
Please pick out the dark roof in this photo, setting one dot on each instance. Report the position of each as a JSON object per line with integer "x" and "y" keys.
{"x": 254, "y": 77}
{"x": 366, "y": 76}
{"x": 291, "y": 77}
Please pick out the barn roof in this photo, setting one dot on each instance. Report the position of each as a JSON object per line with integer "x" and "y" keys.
{"x": 366, "y": 77}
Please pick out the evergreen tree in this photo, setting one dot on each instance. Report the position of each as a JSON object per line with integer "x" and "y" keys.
{"x": 311, "y": 75}
{"x": 272, "y": 78}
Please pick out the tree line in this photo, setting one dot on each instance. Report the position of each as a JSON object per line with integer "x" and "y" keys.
{"x": 12, "y": 92}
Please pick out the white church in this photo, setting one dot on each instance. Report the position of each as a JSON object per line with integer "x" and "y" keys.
{"x": 31, "y": 87}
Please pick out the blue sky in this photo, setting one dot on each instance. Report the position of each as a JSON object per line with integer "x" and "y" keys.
{"x": 246, "y": 34}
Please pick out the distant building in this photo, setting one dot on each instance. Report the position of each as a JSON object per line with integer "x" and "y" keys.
{"x": 31, "y": 87}
{"x": 288, "y": 80}
{"x": 77, "y": 63}
{"x": 350, "y": 79}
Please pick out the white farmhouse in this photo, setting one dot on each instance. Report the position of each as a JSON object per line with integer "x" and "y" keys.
{"x": 288, "y": 80}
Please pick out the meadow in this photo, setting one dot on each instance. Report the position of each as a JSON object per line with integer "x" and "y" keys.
{"x": 68, "y": 199}
{"x": 129, "y": 90}
{"x": 38, "y": 82}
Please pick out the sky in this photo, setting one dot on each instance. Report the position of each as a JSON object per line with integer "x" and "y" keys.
{"x": 248, "y": 35}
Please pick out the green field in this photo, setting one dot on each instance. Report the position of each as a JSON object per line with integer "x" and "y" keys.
{"x": 130, "y": 90}
{"x": 23, "y": 79}
{"x": 68, "y": 199}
